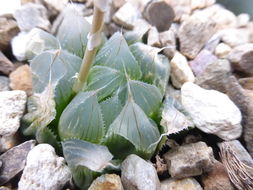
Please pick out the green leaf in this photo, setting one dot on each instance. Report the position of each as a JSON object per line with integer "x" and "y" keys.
{"x": 73, "y": 33}
{"x": 110, "y": 109}
{"x": 147, "y": 96}
{"x": 155, "y": 67}
{"x": 82, "y": 119}
{"x": 134, "y": 126}
{"x": 40, "y": 41}
{"x": 106, "y": 79}
{"x": 116, "y": 54}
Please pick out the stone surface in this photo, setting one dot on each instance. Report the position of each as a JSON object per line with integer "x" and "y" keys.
{"x": 215, "y": 76}
{"x": 217, "y": 178}
{"x": 180, "y": 70}
{"x": 126, "y": 15}
{"x": 153, "y": 37}
{"x": 4, "y": 83}
{"x": 212, "y": 111}
{"x": 193, "y": 35}
{"x": 107, "y": 182}
{"x": 222, "y": 50}
{"x": 44, "y": 170}
{"x": 236, "y": 54}
{"x": 12, "y": 106}
{"x": 14, "y": 161}
{"x": 238, "y": 163}
{"x": 32, "y": 15}
{"x": 21, "y": 79}
{"x": 201, "y": 61}
{"x": 180, "y": 184}
{"x": 137, "y": 174}
{"x": 6, "y": 66}
{"x": 9, "y": 7}
{"x": 8, "y": 29}
{"x": 58, "y": 5}
{"x": 243, "y": 19}
{"x": 18, "y": 45}
{"x": 7, "y": 142}
{"x": 246, "y": 83}
{"x": 4, "y": 188}
{"x": 189, "y": 160}
{"x": 240, "y": 97}
{"x": 159, "y": 14}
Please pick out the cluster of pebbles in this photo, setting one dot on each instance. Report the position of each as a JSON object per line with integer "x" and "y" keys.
{"x": 208, "y": 108}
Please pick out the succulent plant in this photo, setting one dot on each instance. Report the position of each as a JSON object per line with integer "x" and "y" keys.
{"x": 109, "y": 110}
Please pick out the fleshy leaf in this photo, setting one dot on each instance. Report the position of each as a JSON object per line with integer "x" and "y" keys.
{"x": 110, "y": 109}
{"x": 155, "y": 67}
{"x": 116, "y": 54}
{"x": 73, "y": 33}
{"x": 106, "y": 79}
{"x": 39, "y": 42}
{"x": 134, "y": 126}
{"x": 82, "y": 153}
{"x": 82, "y": 119}
{"x": 147, "y": 96}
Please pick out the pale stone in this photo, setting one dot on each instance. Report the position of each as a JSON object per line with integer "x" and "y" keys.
{"x": 153, "y": 37}
{"x": 12, "y": 107}
{"x": 107, "y": 182}
{"x": 236, "y": 54}
{"x": 118, "y": 3}
{"x": 180, "y": 70}
{"x": 235, "y": 37}
{"x": 137, "y": 174}
{"x": 212, "y": 111}
{"x": 189, "y": 160}
{"x": 246, "y": 82}
{"x": 18, "y": 45}
{"x": 9, "y": 7}
{"x": 7, "y": 142}
{"x": 4, "y": 83}
{"x": 21, "y": 79}
{"x": 44, "y": 170}
{"x": 200, "y": 4}
{"x": 59, "y": 5}
{"x": 222, "y": 50}
{"x": 127, "y": 15}
{"x": 180, "y": 184}
{"x": 243, "y": 19}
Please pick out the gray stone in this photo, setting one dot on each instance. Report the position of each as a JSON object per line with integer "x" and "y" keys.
{"x": 8, "y": 29}
{"x": 107, "y": 182}
{"x": 180, "y": 184}
{"x": 215, "y": 75}
{"x": 201, "y": 61}
{"x": 32, "y": 15}
{"x": 222, "y": 50}
{"x": 159, "y": 14}
{"x": 189, "y": 160}
{"x": 7, "y": 142}
{"x": 44, "y": 170}
{"x": 4, "y": 83}
{"x": 14, "y": 161}
{"x": 212, "y": 111}
{"x": 137, "y": 174}
{"x": 194, "y": 34}
{"x": 6, "y": 66}
{"x": 12, "y": 107}
{"x": 246, "y": 83}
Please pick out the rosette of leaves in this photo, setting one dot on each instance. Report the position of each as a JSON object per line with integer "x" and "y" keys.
{"x": 117, "y": 113}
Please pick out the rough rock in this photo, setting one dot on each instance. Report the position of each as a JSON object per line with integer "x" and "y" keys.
{"x": 180, "y": 184}
{"x": 4, "y": 188}
{"x": 7, "y": 142}
{"x": 107, "y": 182}
{"x": 137, "y": 174}
{"x": 250, "y": 28}
{"x": 160, "y": 165}
{"x": 160, "y": 14}
{"x": 127, "y": 15}
{"x": 8, "y": 29}
{"x": 8, "y": 7}
{"x": 44, "y": 170}
{"x": 21, "y": 79}
{"x": 212, "y": 43}
{"x": 14, "y": 160}
{"x": 12, "y": 107}
{"x": 6, "y": 66}
{"x": 238, "y": 163}
{"x": 193, "y": 35}
{"x": 222, "y": 50}
{"x": 212, "y": 111}
{"x": 58, "y": 5}
{"x": 249, "y": 93}
{"x": 234, "y": 36}
{"x": 217, "y": 178}
{"x": 246, "y": 83}
{"x": 180, "y": 70}
{"x": 215, "y": 75}
{"x": 189, "y": 160}
{"x": 118, "y": 3}
{"x": 32, "y": 15}
{"x": 201, "y": 61}
{"x": 243, "y": 19}
{"x": 153, "y": 37}
{"x": 240, "y": 97}
{"x": 18, "y": 45}
{"x": 4, "y": 83}
{"x": 236, "y": 54}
